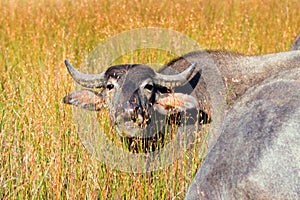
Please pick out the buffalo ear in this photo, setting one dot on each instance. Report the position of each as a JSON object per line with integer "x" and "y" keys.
{"x": 175, "y": 102}
{"x": 86, "y": 99}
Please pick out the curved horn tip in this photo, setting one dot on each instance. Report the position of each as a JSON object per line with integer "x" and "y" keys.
{"x": 68, "y": 64}
{"x": 188, "y": 72}
{"x": 72, "y": 70}
{"x": 193, "y": 66}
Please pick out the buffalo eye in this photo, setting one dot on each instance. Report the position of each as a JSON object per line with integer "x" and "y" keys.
{"x": 149, "y": 87}
{"x": 110, "y": 86}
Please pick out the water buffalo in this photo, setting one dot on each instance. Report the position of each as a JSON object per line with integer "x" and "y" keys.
{"x": 139, "y": 99}
{"x": 129, "y": 92}
{"x": 257, "y": 155}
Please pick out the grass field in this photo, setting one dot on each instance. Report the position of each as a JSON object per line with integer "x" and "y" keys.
{"x": 41, "y": 156}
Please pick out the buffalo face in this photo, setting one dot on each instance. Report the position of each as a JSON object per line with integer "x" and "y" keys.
{"x": 135, "y": 95}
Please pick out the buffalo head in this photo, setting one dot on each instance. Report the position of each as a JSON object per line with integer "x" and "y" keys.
{"x": 135, "y": 95}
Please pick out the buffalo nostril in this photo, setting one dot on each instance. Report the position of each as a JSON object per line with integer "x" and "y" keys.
{"x": 135, "y": 113}
{"x": 133, "y": 118}
{"x": 129, "y": 110}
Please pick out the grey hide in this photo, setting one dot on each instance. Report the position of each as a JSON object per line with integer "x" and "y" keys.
{"x": 257, "y": 155}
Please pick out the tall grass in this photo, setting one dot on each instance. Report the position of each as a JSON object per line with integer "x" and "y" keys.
{"x": 41, "y": 156}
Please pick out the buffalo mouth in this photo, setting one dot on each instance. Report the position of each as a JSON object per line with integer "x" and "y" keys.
{"x": 131, "y": 127}
{"x": 128, "y": 128}
{"x": 134, "y": 124}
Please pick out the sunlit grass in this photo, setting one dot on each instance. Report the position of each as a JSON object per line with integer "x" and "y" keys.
{"x": 41, "y": 154}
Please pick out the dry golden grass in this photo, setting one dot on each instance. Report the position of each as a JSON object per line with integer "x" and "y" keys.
{"x": 41, "y": 154}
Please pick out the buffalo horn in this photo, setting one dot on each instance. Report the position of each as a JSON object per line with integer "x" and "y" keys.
{"x": 85, "y": 80}
{"x": 174, "y": 80}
